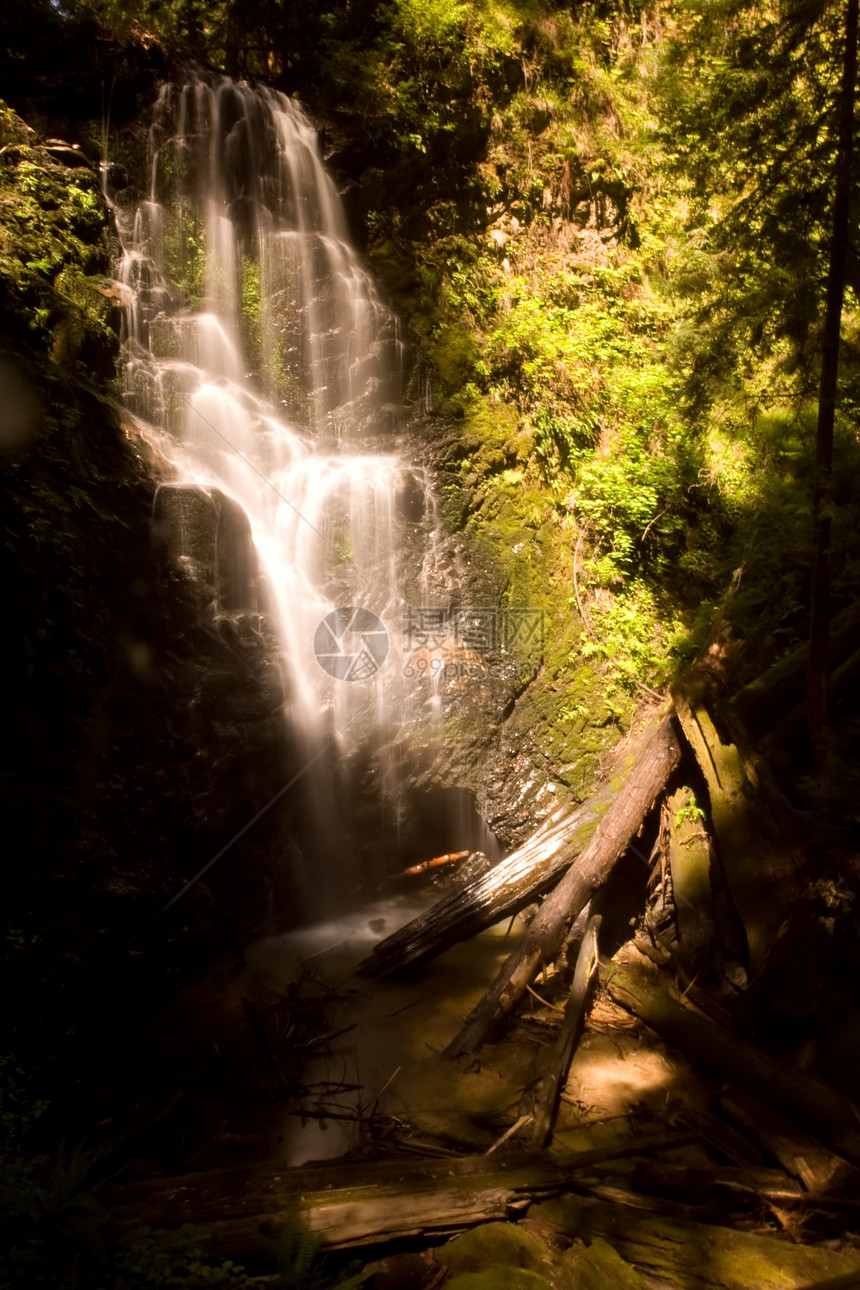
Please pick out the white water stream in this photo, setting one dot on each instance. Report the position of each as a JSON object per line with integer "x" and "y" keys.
{"x": 257, "y": 344}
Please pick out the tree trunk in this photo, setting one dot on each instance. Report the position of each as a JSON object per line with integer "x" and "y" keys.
{"x": 816, "y": 693}
{"x": 761, "y": 871}
{"x": 828, "y": 1114}
{"x": 357, "y": 1203}
{"x": 542, "y": 1103}
{"x": 551, "y": 925}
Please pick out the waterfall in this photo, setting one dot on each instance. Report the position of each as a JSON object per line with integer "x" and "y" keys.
{"x": 260, "y": 354}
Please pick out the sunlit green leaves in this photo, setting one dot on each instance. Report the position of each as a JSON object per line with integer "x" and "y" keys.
{"x": 427, "y": 23}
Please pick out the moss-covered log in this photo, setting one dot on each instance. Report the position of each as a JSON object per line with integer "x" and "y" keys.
{"x": 761, "y": 865}
{"x": 689, "y": 850}
{"x": 694, "y": 1256}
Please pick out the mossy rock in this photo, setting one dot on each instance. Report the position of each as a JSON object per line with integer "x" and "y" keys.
{"x": 501, "y": 1278}
{"x": 14, "y": 130}
{"x": 496, "y": 1245}
{"x": 600, "y": 1266}
{"x": 455, "y": 353}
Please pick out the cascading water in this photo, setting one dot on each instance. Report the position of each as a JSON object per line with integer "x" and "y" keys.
{"x": 257, "y": 345}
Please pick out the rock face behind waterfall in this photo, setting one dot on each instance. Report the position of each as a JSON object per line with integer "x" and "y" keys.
{"x": 208, "y": 533}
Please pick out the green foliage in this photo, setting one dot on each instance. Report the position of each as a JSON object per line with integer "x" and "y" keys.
{"x": 691, "y": 812}
{"x": 54, "y": 242}
{"x": 49, "y": 1214}
{"x": 53, "y": 1225}
{"x": 296, "y": 1253}
{"x": 19, "y": 1110}
{"x": 156, "y": 1259}
{"x": 423, "y": 77}
{"x": 634, "y": 634}
{"x": 427, "y": 25}
{"x": 185, "y": 249}
{"x": 191, "y": 28}
{"x": 252, "y": 309}
{"x": 748, "y": 118}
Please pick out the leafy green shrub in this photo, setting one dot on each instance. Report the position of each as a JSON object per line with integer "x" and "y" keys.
{"x": 156, "y": 1259}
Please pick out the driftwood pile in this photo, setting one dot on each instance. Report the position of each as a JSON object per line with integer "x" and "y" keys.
{"x": 785, "y": 1147}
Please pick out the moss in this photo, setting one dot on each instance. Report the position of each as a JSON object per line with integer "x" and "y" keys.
{"x": 500, "y": 1278}
{"x": 88, "y": 324}
{"x": 185, "y": 250}
{"x": 252, "y": 311}
{"x": 498, "y": 1256}
{"x": 14, "y": 130}
{"x": 393, "y": 267}
{"x": 599, "y": 1266}
{"x": 495, "y": 1245}
{"x": 455, "y": 354}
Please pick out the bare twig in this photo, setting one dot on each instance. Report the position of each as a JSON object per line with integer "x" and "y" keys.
{"x": 545, "y": 1003}
{"x": 583, "y": 615}
{"x": 509, "y": 1133}
{"x": 652, "y": 522}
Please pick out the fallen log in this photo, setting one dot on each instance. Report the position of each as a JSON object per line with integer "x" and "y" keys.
{"x": 541, "y": 1103}
{"x": 551, "y": 925}
{"x": 448, "y": 858}
{"x": 761, "y": 870}
{"x": 511, "y": 885}
{"x": 689, "y": 854}
{"x": 761, "y": 703}
{"x": 828, "y": 1114}
{"x": 692, "y": 1255}
{"x": 643, "y": 1201}
{"x": 725, "y": 1140}
{"x": 798, "y": 1152}
{"x": 696, "y": 1185}
{"x": 793, "y": 724}
{"x": 351, "y": 1205}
